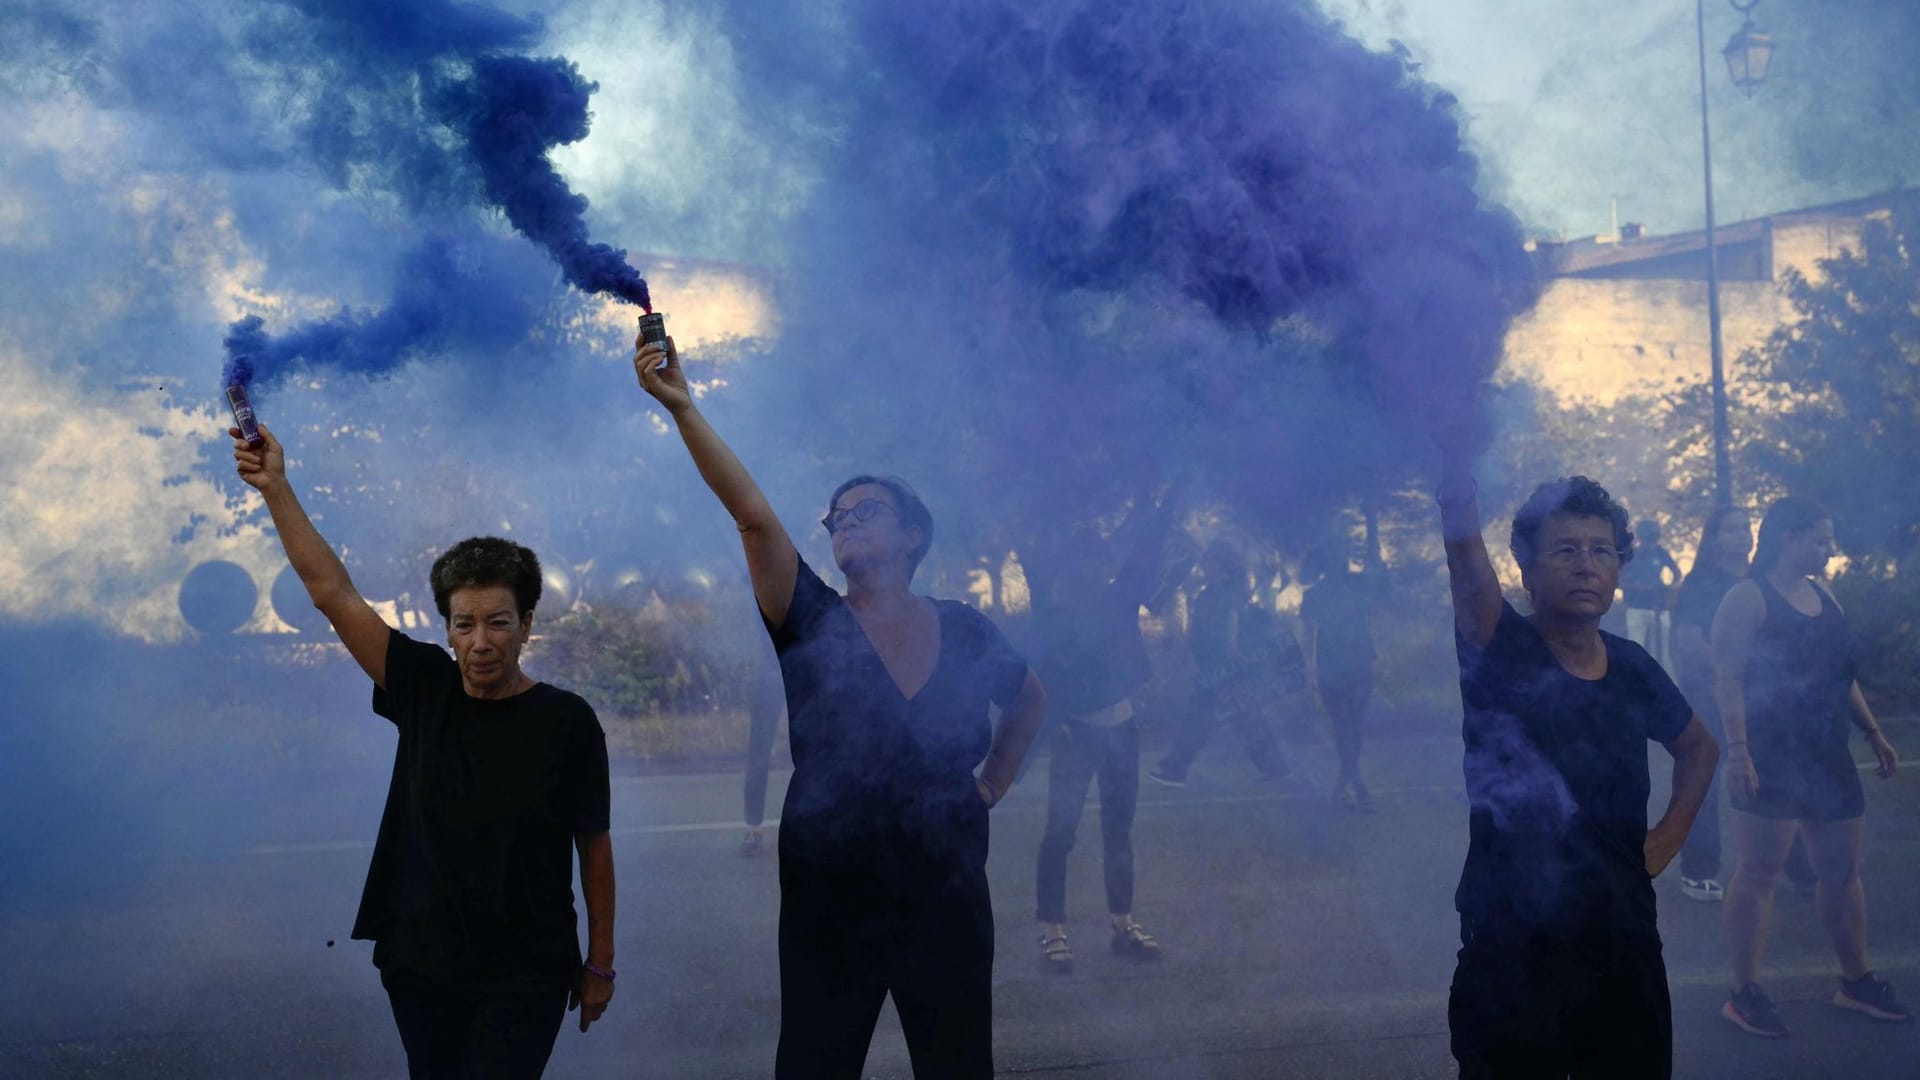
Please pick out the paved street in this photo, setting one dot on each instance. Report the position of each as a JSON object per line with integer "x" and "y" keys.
{"x": 1301, "y": 941}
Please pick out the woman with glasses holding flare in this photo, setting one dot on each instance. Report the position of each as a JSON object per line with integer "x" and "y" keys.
{"x": 883, "y": 836}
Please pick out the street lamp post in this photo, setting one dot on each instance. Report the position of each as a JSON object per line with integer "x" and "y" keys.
{"x": 1747, "y": 53}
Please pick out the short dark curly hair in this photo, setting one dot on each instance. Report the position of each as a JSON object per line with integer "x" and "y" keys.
{"x": 1575, "y": 495}
{"x": 483, "y": 561}
{"x": 913, "y": 512}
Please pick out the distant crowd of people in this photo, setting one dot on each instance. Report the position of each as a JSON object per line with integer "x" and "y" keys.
{"x": 500, "y": 781}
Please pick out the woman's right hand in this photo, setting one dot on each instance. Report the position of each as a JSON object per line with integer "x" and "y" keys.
{"x": 1742, "y": 782}
{"x": 261, "y": 467}
{"x": 665, "y": 381}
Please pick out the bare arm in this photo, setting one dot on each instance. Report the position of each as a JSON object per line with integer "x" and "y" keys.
{"x": 596, "y": 887}
{"x": 1734, "y": 626}
{"x": 1012, "y": 738}
{"x": 361, "y": 629}
{"x": 1475, "y": 587}
{"x": 772, "y": 561}
{"x": 1863, "y": 718}
{"x": 1694, "y": 756}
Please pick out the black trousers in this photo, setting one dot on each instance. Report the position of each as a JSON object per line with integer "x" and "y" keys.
{"x": 1345, "y": 692}
{"x": 455, "y": 1033}
{"x": 1527, "y": 1004}
{"x": 1700, "y": 857}
{"x": 1080, "y": 754}
{"x": 843, "y": 949}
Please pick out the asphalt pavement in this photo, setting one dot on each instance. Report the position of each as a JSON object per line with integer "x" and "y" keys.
{"x": 1302, "y": 939}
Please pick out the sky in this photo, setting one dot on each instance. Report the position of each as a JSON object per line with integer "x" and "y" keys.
{"x": 171, "y": 167}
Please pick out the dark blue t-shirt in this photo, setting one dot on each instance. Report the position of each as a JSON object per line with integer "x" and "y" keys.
{"x": 472, "y": 875}
{"x": 1556, "y": 771}
{"x": 880, "y": 782}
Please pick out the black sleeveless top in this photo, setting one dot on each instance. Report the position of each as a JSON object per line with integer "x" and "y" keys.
{"x": 1800, "y": 672}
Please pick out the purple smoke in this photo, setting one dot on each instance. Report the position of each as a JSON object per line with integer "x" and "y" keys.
{"x": 440, "y": 300}
{"x": 509, "y": 112}
{"x": 512, "y": 111}
{"x": 1142, "y": 237}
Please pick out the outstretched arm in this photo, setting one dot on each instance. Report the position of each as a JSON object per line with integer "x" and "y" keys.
{"x": 361, "y": 629}
{"x": 772, "y": 561}
{"x": 1475, "y": 587}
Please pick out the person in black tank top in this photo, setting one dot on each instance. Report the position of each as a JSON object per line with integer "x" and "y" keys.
{"x": 1785, "y": 663}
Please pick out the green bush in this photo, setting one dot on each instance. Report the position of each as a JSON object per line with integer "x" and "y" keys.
{"x": 666, "y": 678}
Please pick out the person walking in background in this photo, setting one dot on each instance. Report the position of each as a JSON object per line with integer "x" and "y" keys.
{"x": 1560, "y": 970}
{"x": 1785, "y": 672}
{"x": 1094, "y": 660}
{"x": 1647, "y": 584}
{"x": 498, "y": 780}
{"x": 1340, "y": 653}
{"x": 883, "y": 836}
{"x": 766, "y": 705}
{"x": 1718, "y": 565}
{"x": 1233, "y": 657}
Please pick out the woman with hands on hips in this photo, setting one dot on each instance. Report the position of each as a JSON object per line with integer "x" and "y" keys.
{"x": 883, "y": 835}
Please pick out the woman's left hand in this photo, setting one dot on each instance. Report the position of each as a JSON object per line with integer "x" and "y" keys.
{"x": 590, "y": 996}
{"x": 1883, "y": 750}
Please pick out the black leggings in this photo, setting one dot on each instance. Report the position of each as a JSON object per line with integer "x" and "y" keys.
{"x": 466, "y": 1034}
{"x": 842, "y": 952}
{"x": 1080, "y": 754}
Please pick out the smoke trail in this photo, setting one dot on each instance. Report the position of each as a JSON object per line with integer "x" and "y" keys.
{"x": 512, "y": 111}
{"x": 440, "y": 300}
{"x": 508, "y": 111}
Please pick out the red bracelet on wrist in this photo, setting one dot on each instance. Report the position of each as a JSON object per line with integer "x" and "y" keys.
{"x": 595, "y": 969}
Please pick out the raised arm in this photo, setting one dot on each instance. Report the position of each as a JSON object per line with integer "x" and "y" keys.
{"x": 361, "y": 629}
{"x": 1734, "y": 626}
{"x": 772, "y": 561}
{"x": 1475, "y": 587}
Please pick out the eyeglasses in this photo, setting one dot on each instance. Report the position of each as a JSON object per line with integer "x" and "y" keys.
{"x": 862, "y": 511}
{"x": 1569, "y": 554}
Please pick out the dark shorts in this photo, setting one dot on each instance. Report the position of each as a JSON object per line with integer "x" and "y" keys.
{"x": 1803, "y": 781}
{"x": 1528, "y": 1003}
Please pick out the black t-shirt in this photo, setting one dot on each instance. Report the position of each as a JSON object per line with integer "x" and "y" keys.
{"x": 1640, "y": 579}
{"x": 1336, "y": 610}
{"x": 882, "y": 784}
{"x": 1556, "y": 771}
{"x": 1697, "y": 602}
{"x": 472, "y": 874}
{"x": 1093, "y": 655}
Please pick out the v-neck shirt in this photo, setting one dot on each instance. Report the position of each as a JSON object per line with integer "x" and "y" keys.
{"x": 880, "y": 779}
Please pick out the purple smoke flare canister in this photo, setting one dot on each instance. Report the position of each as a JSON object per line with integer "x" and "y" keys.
{"x": 653, "y": 328}
{"x": 243, "y": 416}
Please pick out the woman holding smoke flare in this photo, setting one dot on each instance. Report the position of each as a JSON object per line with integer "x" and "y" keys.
{"x": 497, "y": 780}
{"x": 1784, "y": 664}
{"x": 883, "y": 836}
